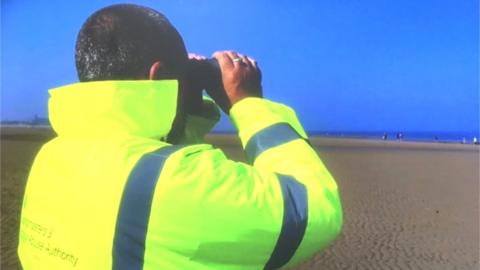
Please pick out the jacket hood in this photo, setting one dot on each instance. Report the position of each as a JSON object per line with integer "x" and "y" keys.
{"x": 143, "y": 108}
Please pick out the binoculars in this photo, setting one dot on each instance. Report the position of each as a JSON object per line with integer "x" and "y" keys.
{"x": 205, "y": 74}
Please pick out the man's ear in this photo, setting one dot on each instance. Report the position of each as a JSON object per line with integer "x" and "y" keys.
{"x": 158, "y": 71}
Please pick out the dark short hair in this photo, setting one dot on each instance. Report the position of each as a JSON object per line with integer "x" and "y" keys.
{"x": 121, "y": 42}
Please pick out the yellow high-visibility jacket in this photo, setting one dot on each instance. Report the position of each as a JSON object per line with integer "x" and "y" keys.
{"x": 109, "y": 193}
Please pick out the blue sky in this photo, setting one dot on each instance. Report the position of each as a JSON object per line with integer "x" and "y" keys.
{"x": 367, "y": 65}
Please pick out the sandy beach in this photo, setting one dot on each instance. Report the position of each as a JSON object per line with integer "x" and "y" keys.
{"x": 407, "y": 205}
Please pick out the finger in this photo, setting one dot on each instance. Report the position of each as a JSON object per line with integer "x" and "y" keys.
{"x": 246, "y": 62}
{"x": 236, "y": 58}
{"x": 253, "y": 63}
{"x": 233, "y": 54}
{"x": 242, "y": 60}
{"x": 255, "y": 67}
{"x": 224, "y": 60}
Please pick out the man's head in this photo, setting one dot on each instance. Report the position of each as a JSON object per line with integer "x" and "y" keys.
{"x": 129, "y": 42}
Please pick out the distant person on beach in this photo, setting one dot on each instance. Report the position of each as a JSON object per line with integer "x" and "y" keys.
{"x": 128, "y": 184}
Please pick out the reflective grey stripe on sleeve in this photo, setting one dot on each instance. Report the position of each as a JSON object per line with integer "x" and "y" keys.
{"x": 134, "y": 212}
{"x": 269, "y": 137}
{"x": 295, "y": 218}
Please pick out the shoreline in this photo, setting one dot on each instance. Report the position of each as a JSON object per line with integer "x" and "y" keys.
{"x": 16, "y": 132}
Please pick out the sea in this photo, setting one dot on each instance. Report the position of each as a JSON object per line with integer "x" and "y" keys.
{"x": 467, "y": 137}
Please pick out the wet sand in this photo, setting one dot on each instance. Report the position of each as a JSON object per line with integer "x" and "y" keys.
{"x": 406, "y": 205}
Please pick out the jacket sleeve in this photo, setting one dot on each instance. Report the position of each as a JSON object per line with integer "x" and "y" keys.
{"x": 278, "y": 210}
{"x": 276, "y": 144}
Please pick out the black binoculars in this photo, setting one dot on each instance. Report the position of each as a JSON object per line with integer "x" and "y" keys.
{"x": 205, "y": 74}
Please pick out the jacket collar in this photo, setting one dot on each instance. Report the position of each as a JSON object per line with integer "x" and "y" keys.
{"x": 109, "y": 108}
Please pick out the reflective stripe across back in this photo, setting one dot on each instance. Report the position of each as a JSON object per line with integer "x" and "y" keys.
{"x": 134, "y": 212}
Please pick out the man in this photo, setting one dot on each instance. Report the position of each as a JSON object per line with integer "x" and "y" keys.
{"x": 115, "y": 189}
